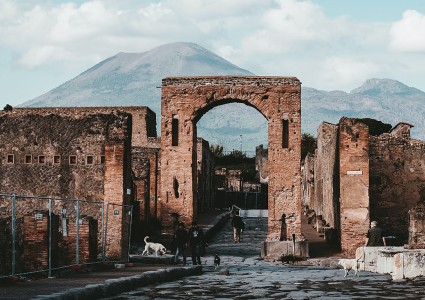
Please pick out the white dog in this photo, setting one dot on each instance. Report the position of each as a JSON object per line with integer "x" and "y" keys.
{"x": 157, "y": 247}
{"x": 349, "y": 264}
{"x": 352, "y": 263}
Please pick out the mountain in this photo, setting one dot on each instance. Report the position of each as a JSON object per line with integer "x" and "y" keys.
{"x": 133, "y": 79}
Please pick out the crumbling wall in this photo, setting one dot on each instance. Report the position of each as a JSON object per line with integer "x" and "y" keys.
{"x": 354, "y": 183}
{"x": 417, "y": 226}
{"x": 205, "y": 167}
{"x": 325, "y": 176}
{"x": 397, "y": 176}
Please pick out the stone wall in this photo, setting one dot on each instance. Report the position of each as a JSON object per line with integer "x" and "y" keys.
{"x": 79, "y": 153}
{"x": 354, "y": 183}
{"x": 417, "y": 226}
{"x": 206, "y": 178}
{"x": 397, "y": 168}
{"x": 186, "y": 99}
{"x": 326, "y": 193}
{"x": 374, "y": 177}
{"x": 261, "y": 168}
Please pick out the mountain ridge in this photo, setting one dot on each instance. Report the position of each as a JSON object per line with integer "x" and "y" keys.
{"x": 128, "y": 79}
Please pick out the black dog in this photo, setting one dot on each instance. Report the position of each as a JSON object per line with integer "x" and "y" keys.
{"x": 216, "y": 261}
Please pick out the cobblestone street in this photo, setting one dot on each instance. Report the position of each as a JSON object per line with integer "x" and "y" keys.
{"x": 243, "y": 275}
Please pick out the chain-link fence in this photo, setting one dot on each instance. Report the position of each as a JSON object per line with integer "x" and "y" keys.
{"x": 43, "y": 234}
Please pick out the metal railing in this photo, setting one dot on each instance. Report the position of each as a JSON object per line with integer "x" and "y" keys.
{"x": 44, "y": 234}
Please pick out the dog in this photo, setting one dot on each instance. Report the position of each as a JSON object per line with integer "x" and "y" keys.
{"x": 156, "y": 247}
{"x": 216, "y": 261}
{"x": 349, "y": 264}
{"x": 352, "y": 263}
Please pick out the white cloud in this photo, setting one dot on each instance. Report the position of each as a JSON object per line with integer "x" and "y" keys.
{"x": 407, "y": 35}
{"x": 267, "y": 37}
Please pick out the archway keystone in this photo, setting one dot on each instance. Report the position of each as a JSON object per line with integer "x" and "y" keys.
{"x": 186, "y": 99}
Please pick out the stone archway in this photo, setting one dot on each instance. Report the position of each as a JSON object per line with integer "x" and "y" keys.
{"x": 186, "y": 99}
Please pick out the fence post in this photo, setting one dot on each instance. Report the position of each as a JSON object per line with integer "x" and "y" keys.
{"x": 77, "y": 246}
{"x": 129, "y": 233}
{"x": 50, "y": 237}
{"x": 106, "y": 225}
{"x": 103, "y": 231}
{"x": 13, "y": 234}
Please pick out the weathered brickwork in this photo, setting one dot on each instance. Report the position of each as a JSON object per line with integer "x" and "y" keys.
{"x": 354, "y": 183}
{"x": 36, "y": 236}
{"x": 325, "y": 172}
{"x": 186, "y": 99}
{"x": 417, "y": 226}
{"x": 376, "y": 178}
{"x": 261, "y": 164}
{"x": 206, "y": 182}
{"x": 397, "y": 168}
{"x": 82, "y": 153}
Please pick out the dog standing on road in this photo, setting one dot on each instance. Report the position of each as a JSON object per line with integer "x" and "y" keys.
{"x": 352, "y": 263}
{"x": 157, "y": 247}
{"x": 216, "y": 261}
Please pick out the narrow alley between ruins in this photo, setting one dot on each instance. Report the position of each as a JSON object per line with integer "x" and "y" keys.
{"x": 244, "y": 275}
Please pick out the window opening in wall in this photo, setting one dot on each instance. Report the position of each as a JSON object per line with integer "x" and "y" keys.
{"x": 89, "y": 159}
{"x": 102, "y": 159}
{"x": 41, "y": 159}
{"x": 176, "y": 187}
{"x": 285, "y": 133}
{"x": 10, "y": 159}
{"x": 28, "y": 159}
{"x": 72, "y": 159}
{"x": 175, "y": 131}
{"x": 56, "y": 159}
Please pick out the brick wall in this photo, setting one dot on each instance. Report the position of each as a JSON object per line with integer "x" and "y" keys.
{"x": 326, "y": 174}
{"x": 354, "y": 183}
{"x": 397, "y": 175}
{"x": 186, "y": 99}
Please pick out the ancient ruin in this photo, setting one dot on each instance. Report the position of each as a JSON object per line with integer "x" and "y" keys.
{"x": 355, "y": 177}
{"x": 186, "y": 99}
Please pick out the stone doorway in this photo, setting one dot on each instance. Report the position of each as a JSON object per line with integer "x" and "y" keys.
{"x": 186, "y": 99}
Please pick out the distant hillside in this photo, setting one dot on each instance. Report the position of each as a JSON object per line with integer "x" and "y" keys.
{"x": 133, "y": 79}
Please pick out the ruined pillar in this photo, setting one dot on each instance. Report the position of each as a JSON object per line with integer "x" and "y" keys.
{"x": 354, "y": 184}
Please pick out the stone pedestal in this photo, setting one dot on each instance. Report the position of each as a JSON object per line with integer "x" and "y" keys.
{"x": 279, "y": 249}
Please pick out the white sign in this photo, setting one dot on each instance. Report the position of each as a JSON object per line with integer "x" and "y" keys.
{"x": 354, "y": 172}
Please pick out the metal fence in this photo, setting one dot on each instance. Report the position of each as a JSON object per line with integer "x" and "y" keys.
{"x": 44, "y": 234}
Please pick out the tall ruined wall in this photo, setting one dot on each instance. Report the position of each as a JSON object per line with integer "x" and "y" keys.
{"x": 206, "y": 165}
{"x": 55, "y": 155}
{"x": 307, "y": 180}
{"x": 354, "y": 183}
{"x": 397, "y": 175}
{"x": 70, "y": 154}
{"x": 325, "y": 201}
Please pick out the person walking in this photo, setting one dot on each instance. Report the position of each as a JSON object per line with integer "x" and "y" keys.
{"x": 238, "y": 225}
{"x": 196, "y": 238}
{"x": 181, "y": 239}
{"x": 374, "y": 236}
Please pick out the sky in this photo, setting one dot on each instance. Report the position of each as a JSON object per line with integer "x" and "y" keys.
{"x": 327, "y": 44}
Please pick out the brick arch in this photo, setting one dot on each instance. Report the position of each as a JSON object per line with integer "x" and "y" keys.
{"x": 198, "y": 114}
{"x": 186, "y": 99}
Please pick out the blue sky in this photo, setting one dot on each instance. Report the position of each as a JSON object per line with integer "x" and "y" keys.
{"x": 327, "y": 44}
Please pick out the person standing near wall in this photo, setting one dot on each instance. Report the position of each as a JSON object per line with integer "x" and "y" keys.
{"x": 237, "y": 225}
{"x": 181, "y": 239}
{"x": 196, "y": 237}
{"x": 374, "y": 236}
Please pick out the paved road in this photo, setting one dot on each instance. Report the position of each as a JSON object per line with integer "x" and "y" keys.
{"x": 249, "y": 277}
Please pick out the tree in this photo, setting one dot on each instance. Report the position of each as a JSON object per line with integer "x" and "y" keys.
{"x": 308, "y": 144}
{"x": 8, "y": 107}
{"x": 217, "y": 150}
